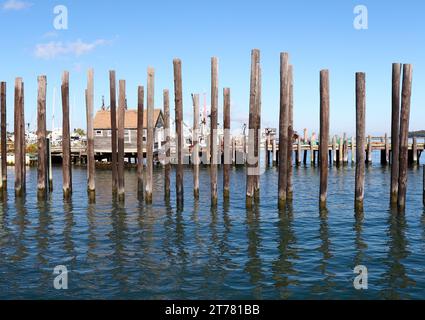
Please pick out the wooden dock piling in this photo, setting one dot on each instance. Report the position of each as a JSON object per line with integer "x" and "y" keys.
{"x": 150, "y": 135}
{"x": 289, "y": 187}
{"x": 66, "y": 139}
{"x": 3, "y": 141}
{"x": 213, "y": 131}
{"x": 178, "y": 96}
{"x": 404, "y": 134}
{"x": 227, "y": 142}
{"x": 167, "y": 168}
{"x": 369, "y": 149}
{"x": 41, "y": 137}
{"x": 324, "y": 136}
{"x": 91, "y": 163}
{"x": 140, "y": 135}
{"x": 414, "y": 151}
{"x": 257, "y": 132}
{"x": 195, "y": 140}
{"x": 395, "y": 131}
{"x": 251, "y": 160}
{"x": 283, "y": 128}
{"x": 121, "y": 125}
{"x": 113, "y": 101}
{"x": 360, "y": 139}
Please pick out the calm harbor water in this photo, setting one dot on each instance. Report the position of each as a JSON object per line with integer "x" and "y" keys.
{"x": 133, "y": 251}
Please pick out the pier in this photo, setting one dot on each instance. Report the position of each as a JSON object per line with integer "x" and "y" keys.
{"x": 120, "y": 137}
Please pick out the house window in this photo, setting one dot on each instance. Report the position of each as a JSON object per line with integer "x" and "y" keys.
{"x": 109, "y": 133}
{"x": 127, "y": 136}
{"x": 99, "y": 133}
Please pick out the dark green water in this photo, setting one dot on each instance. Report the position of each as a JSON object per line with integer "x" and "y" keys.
{"x": 133, "y": 251}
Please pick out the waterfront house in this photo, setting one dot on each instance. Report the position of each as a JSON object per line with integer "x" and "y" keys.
{"x": 103, "y": 132}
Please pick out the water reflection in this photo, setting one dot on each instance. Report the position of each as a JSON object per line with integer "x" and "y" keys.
{"x": 253, "y": 266}
{"x": 396, "y": 278}
{"x": 283, "y": 267}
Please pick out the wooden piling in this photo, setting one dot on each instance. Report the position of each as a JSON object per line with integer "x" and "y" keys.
{"x": 213, "y": 131}
{"x": 23, "y": 140}
{"x": 66, "y": 138}
{"x": 195, "y": 140}
{"x": 387, "y": 149}
{"x": 353, "y": 150}
{"x": 369, "y": 150}
{"x": 283, "y": 128}
{"x": 150, "y": 135}
{"x": 251, "y": 161}
{"x": 113, "y": 102}
{"x": 49, "y": 159}
{"x": 360, "y": 138}
{"x": 91, "y": 164}
{"x": 415, "y": 151}
{"x": 395, "y": 131}
{"x": 167, "y": 168}
{"x": 227, "y": 149}
{"x": 257, "y": 132}
{"x": 299, "y": 151}
{"x": 267, "y": 150}
{"x": 3, "y": 141}
{"x": 404, "y": 134}
{"x": 121, "y": 125}
{"x": 140, "y": 135}
{"x": 324, "y": 136}
{"x": 334, "y": 158}
{"x": 274, "y": 151}
{"x": 178, "y": 96}
{"x": 289, "y": 187}
{"x": 41, "y": 137}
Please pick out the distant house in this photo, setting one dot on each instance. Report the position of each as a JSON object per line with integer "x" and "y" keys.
{"x": 103, "y": 132}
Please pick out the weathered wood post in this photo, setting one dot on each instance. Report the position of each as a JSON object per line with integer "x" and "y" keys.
{"x": 167, "y": 169}
{"x": 387, "y": 149}
{"x": 404, "y": 134}
{"x": 3, "y": 135}
{"x": 312, "y": 151}
{"x": 113, "y": 100}
{"x": 66, "y": 139}
{"x": 283, "y": 128}
{"x": 274, "y": 151}
{"x": 360, "y": 138}
{"x": 415, "y": 151}
{"x": 178, "y": 96}
{"x": 227, "y": 149}
{"x": 150, "y": 135}
{"x": 41, "y": 137}
{"x": 341, "y": 150}
{"x": 91, "y": 164}
{"x": 369, "y": 149}
{"x": 23, "y": 141}
{"x": 195, "y": 140}
{"x": 251, "y": 161}
{"x": 289, "y": 187}
{"x": 345, "y": 148}
{"x": 353, "y": 150}
{"x": 257, "y": 132}
{"x": 267, "y": 150}
{"x": 18, "y": 135}
{"x": 49, "y": 159}
{"x": 334, "y": 150}
{"x": 140, "y": 135}
{"x": 299, "y": 148}
{"x": 324, "y": 136}
{"x": 121, "y": 125}
{"x": 395, "y": 131}
{"x": 213, "y": 136}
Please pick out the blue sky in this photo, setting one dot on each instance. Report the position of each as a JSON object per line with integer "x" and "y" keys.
{"x": 129, "y": 35}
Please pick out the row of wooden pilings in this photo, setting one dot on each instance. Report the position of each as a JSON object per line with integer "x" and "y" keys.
{"x": 399, "y": 136}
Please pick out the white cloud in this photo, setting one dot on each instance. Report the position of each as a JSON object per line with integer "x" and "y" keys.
{"x": 54, "y": 49}
{"x": 16, "y": 5}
